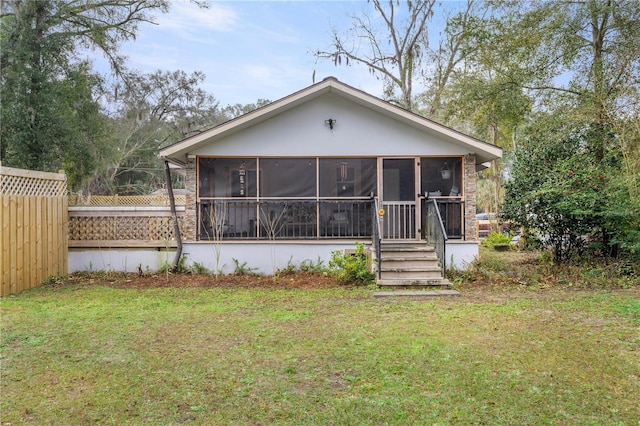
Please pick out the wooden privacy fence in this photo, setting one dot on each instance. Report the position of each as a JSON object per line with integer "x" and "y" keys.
{"x": 33, "y": 212}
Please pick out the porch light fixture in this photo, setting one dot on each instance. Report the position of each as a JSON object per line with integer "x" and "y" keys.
{"x": 330, "y": 122}
{"x": 445, "y": 171}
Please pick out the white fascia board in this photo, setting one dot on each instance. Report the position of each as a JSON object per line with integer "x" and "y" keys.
{"x": 482, "y": 166}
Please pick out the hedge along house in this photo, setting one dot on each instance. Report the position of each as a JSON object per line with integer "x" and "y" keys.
{"x": 319, "y": 170}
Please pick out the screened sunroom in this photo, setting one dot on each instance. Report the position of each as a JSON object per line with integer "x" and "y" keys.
{"x": 324, "y": 167}
{"x": 311, "y": 198}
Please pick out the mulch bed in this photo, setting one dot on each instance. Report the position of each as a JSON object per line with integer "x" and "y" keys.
{"x": 301, "y": 280}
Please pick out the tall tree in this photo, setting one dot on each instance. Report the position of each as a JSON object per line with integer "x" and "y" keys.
{"x": 590, "y": 55}
{"x": 47, "y": 95}
{"x": 236, "y": 110}
{"x": 396, "y": 55}
{"x": 97, "y": 24}
{"x": 581, "y": 61}
{"x": 447, "y": 58}
{"x": 153, "y": 110}
{"x": 483, "y": 92}
{"x": 49, "y": 118}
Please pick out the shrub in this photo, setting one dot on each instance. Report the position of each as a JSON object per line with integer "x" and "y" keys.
{"x": 242, "y": 268}
{"x": 352, "y": 268}
{"x": 199, "y": 268}
{"x": 290, "y": 269}
{"x": 180, "y": 268}
{"x": 494, "y": 239}
{"x": 309, "y": 265}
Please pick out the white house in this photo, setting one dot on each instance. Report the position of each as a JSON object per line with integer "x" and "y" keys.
{"x": 319, "y": 170}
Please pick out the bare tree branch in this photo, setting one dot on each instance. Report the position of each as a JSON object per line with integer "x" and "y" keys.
{"x": 395, "y": 64}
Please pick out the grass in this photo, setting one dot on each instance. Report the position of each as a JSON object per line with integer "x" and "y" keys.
{"x": 93, "y": 354}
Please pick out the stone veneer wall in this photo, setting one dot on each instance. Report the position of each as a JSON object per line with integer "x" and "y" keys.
{"x": 190, "y": 214}
{"x": 470, "y": 197}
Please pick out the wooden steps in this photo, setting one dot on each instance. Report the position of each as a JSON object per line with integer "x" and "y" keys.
{"x": 411, "y": 269}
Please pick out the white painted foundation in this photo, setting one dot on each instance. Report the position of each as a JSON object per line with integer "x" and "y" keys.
{"x": 263, "y": 257}
{"x": 120, "y": 259}
{"x": 260, "y": 257}
{"x": 461, "y": 253}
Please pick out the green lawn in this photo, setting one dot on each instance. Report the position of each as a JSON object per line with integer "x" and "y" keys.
{"x": 94, "y": 355}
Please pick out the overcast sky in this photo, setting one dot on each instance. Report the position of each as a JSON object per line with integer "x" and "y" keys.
{"x": 250, "y": 50}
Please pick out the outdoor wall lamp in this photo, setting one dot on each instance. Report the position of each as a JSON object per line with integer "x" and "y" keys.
{"x": 330, "y": 122}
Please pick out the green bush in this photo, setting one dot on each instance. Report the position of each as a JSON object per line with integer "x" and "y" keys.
{"x": 352, "y": 268}
{"x": 494, "y": 239}
{"x": 309, "y": 265}
{"x": 290, "y": 269}
{"x": 180, "y": 268}
{"x": 570, "y": 181}
{"x": 199, "y": 268}
{"x": 242, "y": 268}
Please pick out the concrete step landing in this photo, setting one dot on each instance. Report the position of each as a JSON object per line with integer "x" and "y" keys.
{"x": 416, "y": 294}
{"x": 406, "y": 283}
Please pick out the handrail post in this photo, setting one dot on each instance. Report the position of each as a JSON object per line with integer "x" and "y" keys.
{"x": 376, "y": 234}
{"x": 436, "y": 233}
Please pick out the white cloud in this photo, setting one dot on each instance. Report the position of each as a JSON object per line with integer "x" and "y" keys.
{"x": 248, "y": 50}
{"x": 185, "y": 17}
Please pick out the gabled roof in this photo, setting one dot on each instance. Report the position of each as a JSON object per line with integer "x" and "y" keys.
{"x": 177, "y": 153}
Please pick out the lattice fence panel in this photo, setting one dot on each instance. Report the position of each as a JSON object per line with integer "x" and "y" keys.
{"x": 32, "y": 183}
{"x": 125, "y": 200}
{"x": 133, "y": 228}
{"x": 119, "y": 228}
{"x": 161, "y": 228}
{"x": 92, "y": 228}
